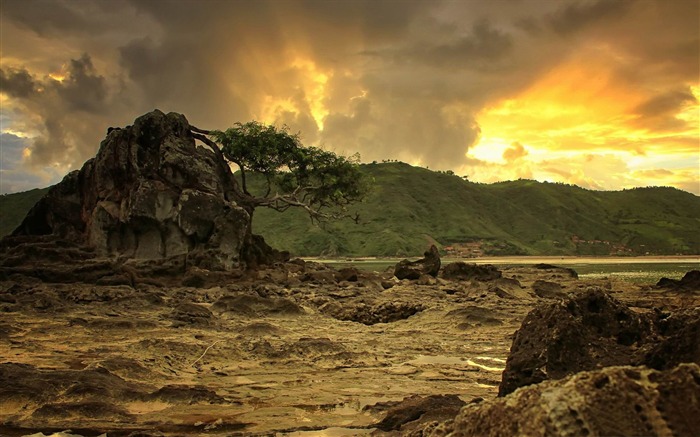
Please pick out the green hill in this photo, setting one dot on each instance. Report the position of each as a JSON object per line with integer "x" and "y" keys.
{"x": 13, "y": 208}
{"x": 411, "y": 207}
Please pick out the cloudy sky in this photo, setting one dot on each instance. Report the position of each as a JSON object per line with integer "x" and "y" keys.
{"x": 602, "y": 94}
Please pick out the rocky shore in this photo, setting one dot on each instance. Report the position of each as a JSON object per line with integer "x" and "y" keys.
{"x": 298, "y": 347}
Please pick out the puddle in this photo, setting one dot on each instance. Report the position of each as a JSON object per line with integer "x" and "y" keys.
{"x": 453, "y": 361}
{"x": 498, "y": 360}
{"x": 330, "y": 432}
{"x": 485, "y": 367}
{"x": 437, "y": 359}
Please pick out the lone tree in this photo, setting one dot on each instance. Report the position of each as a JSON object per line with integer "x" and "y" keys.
{"x": 276, "y": 171}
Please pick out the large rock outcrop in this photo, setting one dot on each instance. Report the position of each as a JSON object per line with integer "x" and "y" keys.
{"x": 594, "y": 330}
{"x": 428, "y": 265}
{"x": 615, "y": 401}
{"x": 150, "y": 193}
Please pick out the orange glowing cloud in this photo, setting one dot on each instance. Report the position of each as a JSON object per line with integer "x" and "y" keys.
{"x": 582, "y": 123}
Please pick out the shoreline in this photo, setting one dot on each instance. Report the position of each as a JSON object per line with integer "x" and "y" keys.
{"x": 530, "y": 259}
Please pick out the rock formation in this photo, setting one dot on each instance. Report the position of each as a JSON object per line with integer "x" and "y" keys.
{"x": 464, "y": 272}
{"x": 428, "y": 265}
{"x": 629, "y": 401}
{"x": 150, "y": 193}
{"x": 594, "y": 330}
{"x": 689, "y": 282}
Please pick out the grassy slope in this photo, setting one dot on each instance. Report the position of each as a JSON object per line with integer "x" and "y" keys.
{"x": 411, "y": 207}
{"x": 13, "y": 208}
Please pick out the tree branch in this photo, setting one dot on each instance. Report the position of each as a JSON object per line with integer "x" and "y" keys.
{"x": 200, "y": 131}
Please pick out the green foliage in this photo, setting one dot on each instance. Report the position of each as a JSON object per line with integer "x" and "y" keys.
{"x": 410, "y": 206}
{"x": 294, "y": 175}
{"x": 14, "y": 207}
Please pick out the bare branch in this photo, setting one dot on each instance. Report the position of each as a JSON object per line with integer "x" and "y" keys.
{"x": 200, "y": 131}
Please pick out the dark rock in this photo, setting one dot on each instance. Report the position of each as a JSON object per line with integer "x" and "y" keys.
{"x": 369, "y": 314}
{"x": 583, "y": 333}
{"x": 428, "y": 265}
{"x": 192, "y": 314}
{"x": 420, "y": 408}
{"x": 349, "y": 274}
{"x": 548, "y": 290}
{"x": 462, "y": 271}
{"x": 150, "y": 193}
{"x": 680, "y": 342}
{"x": 689, "y": 282}
{"x": 614, "y": 401}
{"x": 387, "y": 284}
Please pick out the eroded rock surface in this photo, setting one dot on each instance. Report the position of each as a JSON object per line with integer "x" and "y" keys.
{"x": 150, "y": 193}
{"x": 594, "y": 330}
{"x": 689, "y": 282}
{"x": 619, "y": 401}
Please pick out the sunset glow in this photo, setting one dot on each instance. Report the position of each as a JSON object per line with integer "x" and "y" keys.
{"x": 577, "y": 114}
{"x": 596, "y": 93}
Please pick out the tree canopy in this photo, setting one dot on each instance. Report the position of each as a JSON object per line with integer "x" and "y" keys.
{"x": 319, "y": 181}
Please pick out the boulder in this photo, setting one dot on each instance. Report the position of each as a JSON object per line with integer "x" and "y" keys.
{"x": 594, "y": 330}
{"x": 689, "y": 282}
{"x": 150, "y": 193}
{"x": 349, "y": 274}
{"x": 428, "y": 265}
{"x": 619, "y": 401}
{"x": 586, "y": 332}
{"x": 461, "y": 271}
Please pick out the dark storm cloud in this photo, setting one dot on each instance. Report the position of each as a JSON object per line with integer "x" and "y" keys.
{"x": 660, "y": 111}
{"x": 83, "y": 89}
{"x": 669, "y": 103}
{"x": 393, "y": 79}
{"x": 63, "y": 112}
{"x": 576, "y": 16}
{"x": 484, "y": 45}
{"x": 52, "y": 18}
{"x": 16, "y": 82}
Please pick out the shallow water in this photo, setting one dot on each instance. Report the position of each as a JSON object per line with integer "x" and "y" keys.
{"x": 633, "y": 269}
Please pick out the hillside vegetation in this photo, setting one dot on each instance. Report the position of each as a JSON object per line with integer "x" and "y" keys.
{"x": 411, "y": 207}
{"x": 13, "y": 208}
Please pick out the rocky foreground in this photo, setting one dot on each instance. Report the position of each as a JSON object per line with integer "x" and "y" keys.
{"x": 300, "y": 347}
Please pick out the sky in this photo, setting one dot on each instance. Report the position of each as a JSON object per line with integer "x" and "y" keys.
{"x": 598, "y": 93}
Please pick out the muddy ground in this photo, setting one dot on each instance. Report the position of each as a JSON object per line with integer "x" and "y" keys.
{"x": 300, "y": 354}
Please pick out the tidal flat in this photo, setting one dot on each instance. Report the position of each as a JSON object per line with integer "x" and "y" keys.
{"x": 293, "y": 351}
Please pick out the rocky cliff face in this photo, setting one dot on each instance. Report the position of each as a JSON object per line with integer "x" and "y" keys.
{"x": 150, "y": 193}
